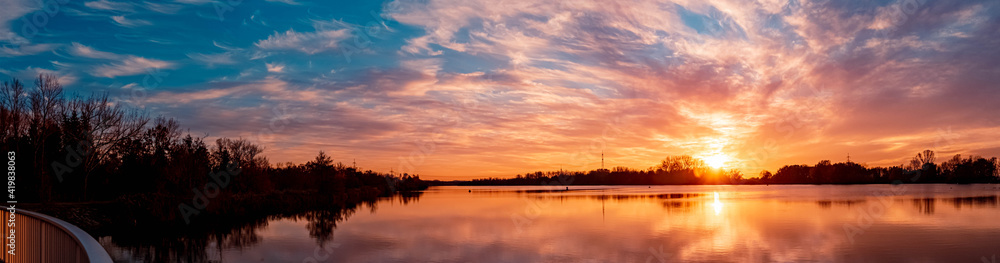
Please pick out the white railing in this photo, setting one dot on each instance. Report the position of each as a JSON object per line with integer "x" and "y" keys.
{"x": 42, "y": 238}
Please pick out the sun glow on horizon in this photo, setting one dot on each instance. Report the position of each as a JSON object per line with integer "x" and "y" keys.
{"x": 717, "y": 160}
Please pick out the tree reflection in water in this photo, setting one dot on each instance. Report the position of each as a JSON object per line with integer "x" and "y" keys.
{"x": 199, "y": 242}
{"x": 926, "y": 205}
{"x": 323, "y": 222}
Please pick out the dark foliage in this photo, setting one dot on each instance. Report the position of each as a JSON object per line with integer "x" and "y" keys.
{"x": 675, "y": 170}
{"x": 92, "y": 148}
{"x": 688, "y": 170}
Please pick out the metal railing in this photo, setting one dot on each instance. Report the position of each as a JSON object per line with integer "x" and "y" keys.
{"x": 42, "y": 238}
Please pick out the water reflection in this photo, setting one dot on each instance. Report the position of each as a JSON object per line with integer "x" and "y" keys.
{"x": 924, "y": 205}
{"x": 717, "y": 205}
{"x": 614, "y": 224}
{"x": 974, "y": 201}
{"x": 210, "y": 241}
{"x": 845, "y": 203}
{"x": 617, "y": 197}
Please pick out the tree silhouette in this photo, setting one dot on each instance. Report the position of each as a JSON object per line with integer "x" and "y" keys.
{"x": 89, "y": 148}
{"x": 688, "y": 170}
{"x": 924, "y": 158}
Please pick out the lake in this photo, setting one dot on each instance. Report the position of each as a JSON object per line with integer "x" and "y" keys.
{"x": 755, "y": 223}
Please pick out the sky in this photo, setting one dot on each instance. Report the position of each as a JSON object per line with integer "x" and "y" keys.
{"x": 460, "y": 89}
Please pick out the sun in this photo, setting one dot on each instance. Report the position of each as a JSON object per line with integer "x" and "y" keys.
{"x": 717, "y": 160}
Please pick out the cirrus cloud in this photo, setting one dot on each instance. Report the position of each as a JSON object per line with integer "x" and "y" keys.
{"x": 309, "y": 43}
{"x": 130, "y": 65}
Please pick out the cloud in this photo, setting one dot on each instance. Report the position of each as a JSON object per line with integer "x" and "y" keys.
{"x": 275, "y": 67}
{"x": 421, "y": 45}
{"x": 101, "y": 8}
{"x": 65, "y": 77}
{"x": 517, "y": 85}
{"x": 290, "y": 2}
{"x": 107, "y": 5}
{"x": 309, "y": 43}
{"x": 268, "y": 88}
{"x": 194, "y": 2}
{"x": 81, "y": 50}
{"x": 163, "y": 8}
{"x": 727, "y": 72}
{"x": 24, "y": 50}
{"x": 131, "y": 65}
{"x": 12, "y": 10}
{"x": 127, "y": 22}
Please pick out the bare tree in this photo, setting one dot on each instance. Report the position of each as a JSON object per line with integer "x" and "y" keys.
{"x": 44, "y": 104}
{"x": 241, "y": 151}
{"x": 12, "y": 100}
{"x": 928, "y": 157}
{"x": 918, "y": 162}
{"x": 110, "y": 124}
{"x": 681, "y": 163}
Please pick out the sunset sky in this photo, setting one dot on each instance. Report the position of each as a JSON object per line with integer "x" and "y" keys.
{"x": 471, "y": 88}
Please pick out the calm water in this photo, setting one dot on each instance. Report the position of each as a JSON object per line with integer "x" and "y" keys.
{"x": 867, "y": 223}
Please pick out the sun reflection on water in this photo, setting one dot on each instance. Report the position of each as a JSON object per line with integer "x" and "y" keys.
{"x": 717, "y": 205}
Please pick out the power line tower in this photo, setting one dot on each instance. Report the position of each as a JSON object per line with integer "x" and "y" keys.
{"x": 602, "y": 160}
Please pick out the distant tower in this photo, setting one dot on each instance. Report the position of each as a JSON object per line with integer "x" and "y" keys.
{"x": 848, "y": 157}
{"x": 355, "y": 163}
{"x": 602, "y": 160}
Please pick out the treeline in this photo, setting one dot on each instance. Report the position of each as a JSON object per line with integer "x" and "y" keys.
{"x": 683, "y": 170}
{"x": 93, "y": 148}
{"x": 921, "y": 169}
{"x": 674, "y": 170}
